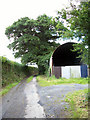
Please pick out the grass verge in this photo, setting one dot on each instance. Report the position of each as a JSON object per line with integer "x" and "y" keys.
{"x": 29, "y": 79}
{"x": 78, "y": 103}
{"x": 7, "y": 88}
{"x": 48, "y": 81}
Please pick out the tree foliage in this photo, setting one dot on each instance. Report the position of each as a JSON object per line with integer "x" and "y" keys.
{"x": 34, "y": 40}
{"x": 77, "y": 19}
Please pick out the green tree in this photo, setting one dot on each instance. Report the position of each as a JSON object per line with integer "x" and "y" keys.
{"x": 34, "y": 40}
{"x": 77, "y": 19}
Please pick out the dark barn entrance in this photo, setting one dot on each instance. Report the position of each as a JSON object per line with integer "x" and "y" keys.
{"x": 64, "y": 56}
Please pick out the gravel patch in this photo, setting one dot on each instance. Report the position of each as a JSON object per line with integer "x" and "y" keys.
{"x": 52, "y": 99}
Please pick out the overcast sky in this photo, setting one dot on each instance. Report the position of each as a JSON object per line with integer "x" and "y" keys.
{"x": 12, "y": 10}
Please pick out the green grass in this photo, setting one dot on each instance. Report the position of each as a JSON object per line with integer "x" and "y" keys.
{"x": 78, "y": 103}
{"x": 48, "y": 81}
{"x": 29, "y": 79}
{"x": 7, "y": 88}
{"x": 13, "y": 72}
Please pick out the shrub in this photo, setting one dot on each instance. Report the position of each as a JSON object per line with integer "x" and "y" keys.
{"x": 14, "y": 72}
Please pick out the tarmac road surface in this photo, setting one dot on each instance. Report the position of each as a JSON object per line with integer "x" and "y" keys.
{"x": 22, "y": 102}
{"x": 29, "y": 100}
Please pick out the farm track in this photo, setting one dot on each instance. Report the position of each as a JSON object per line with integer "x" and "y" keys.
{"x": 29, "y": 100}
{"x": 22, "y": 102}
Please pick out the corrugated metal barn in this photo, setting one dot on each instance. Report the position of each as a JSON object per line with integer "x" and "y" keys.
{"x": 64, "y": 63}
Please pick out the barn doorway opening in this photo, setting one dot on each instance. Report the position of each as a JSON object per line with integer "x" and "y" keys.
{"x": 65, "y": 62}
{"x": 64, "y": 56}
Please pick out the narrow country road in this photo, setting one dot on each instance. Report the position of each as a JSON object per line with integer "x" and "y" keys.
{"x": 29, "y": 100}
{"x": 22, "y": 102}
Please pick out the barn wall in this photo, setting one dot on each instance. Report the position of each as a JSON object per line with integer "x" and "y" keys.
{"x": 71, "y": 72}
{"x": 51, "y": 66}
{"x": 84, "y": 70}
{"x": 57, "y": 71}
{"x": 75, "y": 72}
{"x": 65, "y": 72}
{"x": 88, "y": 71}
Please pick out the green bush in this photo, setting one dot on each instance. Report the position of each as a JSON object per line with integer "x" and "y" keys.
{"x": 14, "y": 72}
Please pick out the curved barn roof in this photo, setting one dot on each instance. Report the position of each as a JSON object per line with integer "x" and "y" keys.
{"x": 63, "y": 55}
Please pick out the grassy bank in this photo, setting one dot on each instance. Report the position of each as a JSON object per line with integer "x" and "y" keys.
{"x": 13, "y": 72}
{"x": 78, "y": 103}
{"x": 29, "y": 79}
{"x": 8, "y": 87}
{"x": 48, "y": 81}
